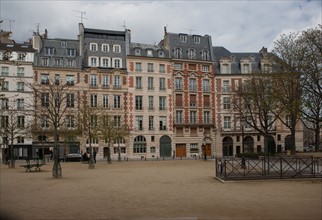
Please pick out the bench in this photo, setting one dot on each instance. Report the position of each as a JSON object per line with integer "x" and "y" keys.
{"x": 28, "y": 166}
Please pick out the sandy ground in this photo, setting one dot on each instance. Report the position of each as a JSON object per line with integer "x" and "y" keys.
{"x": 184, "y": 190}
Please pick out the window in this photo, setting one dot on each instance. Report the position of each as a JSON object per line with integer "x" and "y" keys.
{"x": 183, "y": 37}
{"x": 45, "y": 99}
{"x": 161, "y": 68}
{"x": 288, "y": 121}
{"x": 20, "y": 104}
{"x": 70, "y": 100}
{"x": 57, "y": 62}
{"x": 177, "y": 66}
{"x": 226, "y": 102}
{"x": 224, "y": 68}
{"x": 150, "y": 68}
{"x": 194, "y": 148}
{"x": 226, "y": 86}
{"x": 20, "y": 86}
{"x": 117, "y": 101}
{"x": 70, "y": 63}
{"x": 245, "y": 69}
{"x": 192, "y": 54}
{"x": 227, "y": 122}
{"x": 151, "y": 123}
{"x": 205, "y": 55}
{"x": 20, "y": 121}
{"x": 179, "y": 100}
{"x": 179, "y": 117}
{"x": 105, "y": 62}
{"x": 162, "y": 103}
{"x": 44, "y": 79}
{"x": 206, "y": 117}
{"x": 57, "y": 79}
{"x": 71, "y": 52}
{"x": 117, "y": 121}
{"x": 105, "y": 81}
{"x": 138, "y": 103}
{"x": 138, "y": 82}
{"x": 116, "y": 48}
{"x": 192, "y": 85}
{"x": 20, "y": 140}
{"x": 70, "y": 79}
{"x": 205, "y": 85}
{"x": 4, "y": 121}
{"x": 5, "y": 86}
{"x": 44, "y": 121}
{"x": 45, "y": 61}
{"x": 138, "y": 67}
{"x": 162, "y": 83}
{"x": 161, "y": 54}
{"x": 93, "y": 80}
{"x": 93, "y": 47}
{"x": 193, "y": 100}
{"x": 21, "y": 71}
{"x": 49, "y": 50}
{"x": 150, "y": 83}
{"x": 196, "y": 39}
{"x": 105, "y": 48}
{"x": 193, "y": 117}
{"x": 137, "y": 52}
{"x": 4, "y": 103}
{"x": 93, "y": 120}
{"x": 206, "y": 101}
{"x": 139, "y": 123}
{"x": 69, "y": 121}
{"x": 21, "y": 56}
{"x": 162, "y": 123}
{"x": 149, "y": 53}
{"x": 152, "y": 149}
{"x": 178, "y": 84}
{"x": 93, "y": 100}
{"x": 151, "y": 102}
{"x": 117, "y": 62}
{"x": 93, "y": 61}
{"x": 205, "y": 68}
{"x": 139, "y": 145}
{"x": 4, "y": 71}
{"x": 117, "y": 82}
{"x": 178, "y": 53}
{"x": 266, "y": 68}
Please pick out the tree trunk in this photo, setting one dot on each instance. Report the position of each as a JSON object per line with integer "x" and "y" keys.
{"x": 57, "y": 171}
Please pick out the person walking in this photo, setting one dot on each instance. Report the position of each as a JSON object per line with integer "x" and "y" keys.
{"x": 94, "y": 156}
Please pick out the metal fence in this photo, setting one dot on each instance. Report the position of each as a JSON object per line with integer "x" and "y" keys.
{"x": 268, "y": 168}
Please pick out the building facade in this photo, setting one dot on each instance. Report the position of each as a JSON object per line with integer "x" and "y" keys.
{"x": 16, "y": 98}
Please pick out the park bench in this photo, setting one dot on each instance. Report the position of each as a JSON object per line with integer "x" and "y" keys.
{"x": 28, "y": 166}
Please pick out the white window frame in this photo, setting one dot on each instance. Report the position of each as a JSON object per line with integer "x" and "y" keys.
{"x": 93, "y": 47}
{"x": 117, "y": 48}
{"x": 105, "y": 48}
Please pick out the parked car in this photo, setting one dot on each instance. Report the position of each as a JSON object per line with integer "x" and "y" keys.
{"x": 73, "y": 157}
{"x": 309, "y": 148}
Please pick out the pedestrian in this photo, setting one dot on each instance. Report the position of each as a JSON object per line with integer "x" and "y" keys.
{"x": 94, "y": 156}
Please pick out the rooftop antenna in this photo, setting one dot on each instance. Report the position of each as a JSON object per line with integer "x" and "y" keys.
{"x": 191, "y": 30}
{"x": 124, "y": 26}
{"x": 10, "y": 22}
{"x": 82, "y": 13}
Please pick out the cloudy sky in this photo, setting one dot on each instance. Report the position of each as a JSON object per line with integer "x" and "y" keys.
{"x": 238, "y": 25}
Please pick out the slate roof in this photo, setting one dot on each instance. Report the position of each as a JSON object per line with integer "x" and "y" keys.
{"x": 221, "y": 52}
{"x": 17, "y": 47}
{"x": 145, "y": 47}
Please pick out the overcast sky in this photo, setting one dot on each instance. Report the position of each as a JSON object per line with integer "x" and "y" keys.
{"x": 240, "y": 26}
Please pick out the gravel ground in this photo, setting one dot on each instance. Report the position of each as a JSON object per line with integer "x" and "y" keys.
{"x": 157, "y": 190}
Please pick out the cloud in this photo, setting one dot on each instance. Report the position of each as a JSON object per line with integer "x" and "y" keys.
{"x": 237, "y": 25}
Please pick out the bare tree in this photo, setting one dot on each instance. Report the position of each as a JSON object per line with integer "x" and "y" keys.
{"x": 287, "y": 82}
{"x": 255, "y": 103}
{"x": 54, "y": 103}
{"x": 311, "y": 76}
{"x": 107, "y": 132}
{"x": 14, "y": 126}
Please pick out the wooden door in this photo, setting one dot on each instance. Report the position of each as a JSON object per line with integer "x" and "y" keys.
{"x": 181, "y": 150}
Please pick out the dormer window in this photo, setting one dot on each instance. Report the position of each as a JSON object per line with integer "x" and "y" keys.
{"x": 93, "y": 47}
{"x": 266, "y": 68}
{"x": 178, "y": 53}
{"x": 116, "y": 48}
{"x": 192, "y": 54}
{"x": 183, "y": 38}
{"x": 49, "y": 50}
{"x": 105, "y": 48}
{"x": 71, "y": 52}
{"x": 149, "y": 53}
{"x": 205, "y": 55}
{"x": 196, "y": 39}
{"x": 161, "y": 54}
{"x": 245, "y": 68}
{"x": 224, "y": 68}
{"x": 63, "y": 44}
{"x": 137, "y": 52}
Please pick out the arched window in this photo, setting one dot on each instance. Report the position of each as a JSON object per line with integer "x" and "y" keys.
{"x": 178, "y": 53}
{"x": 139, "y": 145}
{"x": 205, "y": 55}
{"x": 192, "y": 54}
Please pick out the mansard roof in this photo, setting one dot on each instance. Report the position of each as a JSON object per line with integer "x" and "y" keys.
{"x": 144, "y": 50}
{"x": 221, "y": 53}
{"x": 17, "y": 47}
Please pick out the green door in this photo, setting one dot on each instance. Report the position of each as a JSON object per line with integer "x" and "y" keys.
{"x": 165, "y": 146}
